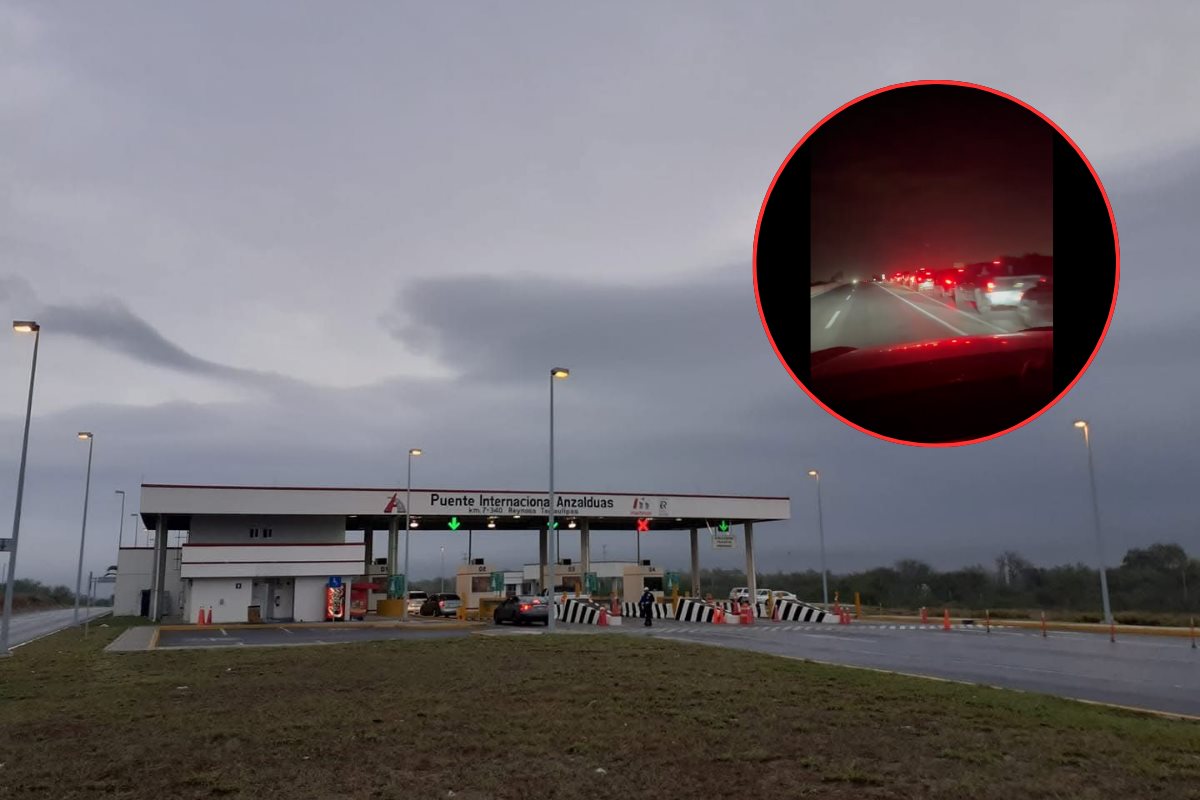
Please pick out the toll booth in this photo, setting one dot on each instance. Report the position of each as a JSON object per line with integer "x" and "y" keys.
{"x": 637, "y": 576}
{"x": 569, "y": 578}
{"x": 378, "y": 578}
{"x": 476, "y": 580}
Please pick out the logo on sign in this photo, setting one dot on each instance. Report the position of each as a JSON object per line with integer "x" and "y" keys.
{"x": 391, "y": 504}
{"x": 640, "y": 504}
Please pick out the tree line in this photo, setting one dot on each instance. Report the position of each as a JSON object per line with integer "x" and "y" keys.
{"x": 1158, "y": 578}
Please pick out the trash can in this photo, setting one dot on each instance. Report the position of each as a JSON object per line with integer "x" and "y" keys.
{"x": 254, "y": 614}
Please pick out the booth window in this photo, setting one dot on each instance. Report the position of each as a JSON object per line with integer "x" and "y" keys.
{"x": 481, "y": 584}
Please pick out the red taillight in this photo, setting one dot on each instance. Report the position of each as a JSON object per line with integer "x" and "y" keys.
{"x": 949, "y": 282}
{"x": 441, "y": 603}
{"x": 990, "y": 286}
{"x": 524, "y": 606}
{"x": 1043, "y": 280}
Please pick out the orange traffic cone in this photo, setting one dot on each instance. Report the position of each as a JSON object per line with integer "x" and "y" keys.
{"x": 946, "y": 620}
{"x": 924, "y": 615}
{"x": 208, "y": 621}
{"x": 603, "y": 617}
{"x": 200, "y": 617}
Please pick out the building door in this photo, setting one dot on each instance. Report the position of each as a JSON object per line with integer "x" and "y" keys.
{"x": 282, "y": 596}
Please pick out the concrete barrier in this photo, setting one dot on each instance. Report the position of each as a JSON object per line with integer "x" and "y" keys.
{"x": 692, "y": 610}
{"x": 583, "y": 612}
{"x": 823, "y": 288}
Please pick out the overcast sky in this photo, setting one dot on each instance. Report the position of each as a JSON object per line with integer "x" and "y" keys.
{"x": 283, "y": 242}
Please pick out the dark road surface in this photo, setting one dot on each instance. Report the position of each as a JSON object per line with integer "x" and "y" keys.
{"x": 874, "y": 314}
{"x": 1159, "y": 673}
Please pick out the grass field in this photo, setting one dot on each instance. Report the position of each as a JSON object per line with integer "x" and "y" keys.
{"x": 539, "y": 717}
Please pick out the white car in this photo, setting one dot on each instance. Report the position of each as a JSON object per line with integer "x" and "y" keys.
{"x": 782, "y": 595}
{"x": 415, "y": 601}
{"x": 762, "y": 595}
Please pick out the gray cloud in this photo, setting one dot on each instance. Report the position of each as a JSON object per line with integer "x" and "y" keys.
{"x": 391, "y": 224}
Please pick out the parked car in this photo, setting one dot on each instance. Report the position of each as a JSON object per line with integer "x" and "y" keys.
{"x": 522, "y": 610}
{"x": 441, "y": 605}
{"x": 1036, "y": 307}
{"x": 761, "y": 595}
{"x": 782, "y": 595}
{"x": 739, "y": 593}
{"x": 415, "y": 600}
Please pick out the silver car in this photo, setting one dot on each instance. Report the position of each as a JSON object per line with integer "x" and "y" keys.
{"x": 1036, "y": 307}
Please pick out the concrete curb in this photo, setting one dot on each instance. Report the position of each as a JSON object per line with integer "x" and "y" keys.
{"x": 1074, "y": 627}
{"x": 441, "y": 626}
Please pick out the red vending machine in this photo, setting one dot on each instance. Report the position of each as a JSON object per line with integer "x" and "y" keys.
{"x": 335, "y": 600}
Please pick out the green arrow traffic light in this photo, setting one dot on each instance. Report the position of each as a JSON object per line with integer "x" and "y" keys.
{"x": 554, "y": 525}
{"x": 454, "y": 523}
{"x": 723, "y": 526}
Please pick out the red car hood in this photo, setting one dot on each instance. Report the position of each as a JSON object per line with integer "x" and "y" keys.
{"x": 840, "y": 361}
{"x": 955, "y": 389}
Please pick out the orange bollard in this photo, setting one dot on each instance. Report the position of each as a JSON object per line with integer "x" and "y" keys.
{"x": 200, "y": 617}
{"x": 1043, "y": 624}
{"x": 208, "y": 621}
{"x": 946, "y": 619}
{"x": 924, "y": 616}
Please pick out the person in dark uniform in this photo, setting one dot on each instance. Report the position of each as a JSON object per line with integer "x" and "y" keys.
{"x": 647, "y": 605}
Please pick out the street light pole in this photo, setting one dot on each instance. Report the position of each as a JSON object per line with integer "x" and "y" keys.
{"x": 812, "y": 473}
{"x": 557, "y": 373}
{"x": 121, "y": 530}
{"x": 1087, "y": 440}
{"x": 414, "y": 451}
{"x": 19, "y": 326}
{"x": 87, "y": 488}
{"x": 442, "y": 573}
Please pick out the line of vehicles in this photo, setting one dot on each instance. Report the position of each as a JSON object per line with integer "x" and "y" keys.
{"x": 1024, "y": 284}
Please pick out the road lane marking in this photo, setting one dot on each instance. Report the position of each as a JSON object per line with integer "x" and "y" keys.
{"x": 923, "y": 311}
{"x": 285, "y": 630}
{"x": 832, "y": 319}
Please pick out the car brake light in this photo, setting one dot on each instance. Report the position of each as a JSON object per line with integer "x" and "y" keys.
{"x": 1043, "y": 280}
{"x": 524, "y": 606}
{"x": 441, "y": 603}
{"x": 948, "y": 281}
{"x": 990, "y": 286}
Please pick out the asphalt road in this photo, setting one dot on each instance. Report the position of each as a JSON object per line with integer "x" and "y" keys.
{"x": 36, "y": 624}
{"x": 874, "y": 314}
{"x": 217, "y": 636}
{"x": 1159, "y": 673}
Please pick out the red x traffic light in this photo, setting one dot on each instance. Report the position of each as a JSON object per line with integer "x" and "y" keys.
{"x": 644, "y": 524}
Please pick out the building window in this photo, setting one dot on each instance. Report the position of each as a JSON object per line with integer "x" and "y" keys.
{"x": 267, "y": 532}
{"x": 254, "y": 533}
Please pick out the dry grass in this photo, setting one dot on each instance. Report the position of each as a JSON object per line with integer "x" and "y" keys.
{"x": 537, "y": 717}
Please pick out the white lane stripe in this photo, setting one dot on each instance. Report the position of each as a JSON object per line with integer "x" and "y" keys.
{"x": 923, "y": 311}
{"x": 832, "y": 319}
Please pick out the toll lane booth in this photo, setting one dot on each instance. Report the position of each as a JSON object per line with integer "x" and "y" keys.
{"x": 474, "y": 581}
{"x": 569, "y": 578}
{"x": 638, "y": 576}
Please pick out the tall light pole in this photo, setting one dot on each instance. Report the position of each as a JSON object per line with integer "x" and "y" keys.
{"x": 135, "y": 529}
{"x": 19, "y": 326}
{"x": 412, "y": 453}
{"x": 87, "y": 488}
{"x": 442, "y": 573}
{"x": 1087, "y": 441}
{"x": 816, "y": 475}
{"x": 121, "y": 530}
{"x": 556, "y": 374}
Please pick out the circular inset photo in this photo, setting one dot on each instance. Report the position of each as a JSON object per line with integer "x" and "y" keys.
{"x": 933, "y": 223}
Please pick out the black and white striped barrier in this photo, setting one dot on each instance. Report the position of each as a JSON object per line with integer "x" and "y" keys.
{"x": 583, "y": 612}
{"x": 793, "y": 611}
{"x": 760, "y": 609}
{"x": 698, "y": 611}
{"x": 658, "y": 610}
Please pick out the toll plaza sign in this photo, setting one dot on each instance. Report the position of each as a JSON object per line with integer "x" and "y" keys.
{"x": 515, "y": 503}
